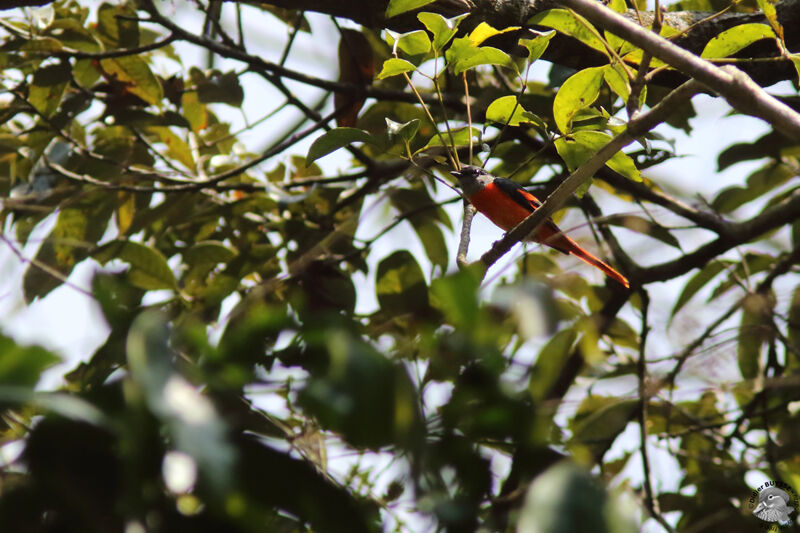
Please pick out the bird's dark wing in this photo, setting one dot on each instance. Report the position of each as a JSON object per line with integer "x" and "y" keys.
{"x": 518, "y": 194}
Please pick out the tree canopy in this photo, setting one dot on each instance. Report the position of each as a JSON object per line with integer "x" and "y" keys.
{"x": 305, "y": 331}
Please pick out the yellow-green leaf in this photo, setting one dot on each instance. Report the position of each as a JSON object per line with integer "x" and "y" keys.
{"x": 506, "y": 110}
{"x": 397, "y": 7}
{"x": 570, "y": 24}
{"x": 414, "y": 43}
{"x": 134, "y": 72}
{"x": 443, "y": 29}
{"x": 578, "y": 92}
{"x": 395, "y": 66}
{"x": 734, "y": 39}
{"x": 483, "y": 31}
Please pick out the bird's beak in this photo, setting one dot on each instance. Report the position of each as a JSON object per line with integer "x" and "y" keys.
{"x": 456, "y": 173}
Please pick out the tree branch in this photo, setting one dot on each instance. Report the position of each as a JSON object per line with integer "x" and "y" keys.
{"x": 741, "y": 92}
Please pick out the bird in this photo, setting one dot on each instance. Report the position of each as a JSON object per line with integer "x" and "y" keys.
{"x": 773, "y": 505}
{"x": 506, "y": 203}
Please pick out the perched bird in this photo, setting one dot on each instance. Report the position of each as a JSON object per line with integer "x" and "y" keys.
{"x": 773, "y": 505}
{"x": 507, "y": 204}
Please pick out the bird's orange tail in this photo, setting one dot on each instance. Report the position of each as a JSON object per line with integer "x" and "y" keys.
{"x": 586, "y": 257}
{"x": 552, "y": 236}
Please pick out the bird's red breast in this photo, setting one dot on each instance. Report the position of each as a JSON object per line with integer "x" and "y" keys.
{"x": 501, "y": 208}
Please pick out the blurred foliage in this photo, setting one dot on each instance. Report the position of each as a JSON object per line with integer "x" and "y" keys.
{"x": 243, "y": 346}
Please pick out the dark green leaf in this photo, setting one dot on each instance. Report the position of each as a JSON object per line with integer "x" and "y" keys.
{"x": 550, "y": 362}
{"x": 698, "y": 281}
{"x": 333, "y": 140}
{"x": 401, "y": 286}
{"x": 363, "y": 396}
{"x": 755, "y": 329}
{"x": 21, "y": 366}
{"x": 599, "y": 421}
{"x": 190, "y": 416}
{"x": 149, "y": 268}
{"x": 645, "y": 227}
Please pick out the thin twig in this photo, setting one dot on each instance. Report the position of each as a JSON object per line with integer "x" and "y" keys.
{"x": 466, "y": 224}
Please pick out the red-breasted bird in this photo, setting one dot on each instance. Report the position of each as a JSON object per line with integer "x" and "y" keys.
{"x": 507, "y": 204}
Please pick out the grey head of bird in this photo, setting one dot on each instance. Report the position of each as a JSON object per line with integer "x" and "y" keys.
{"x": 472, "y": 179}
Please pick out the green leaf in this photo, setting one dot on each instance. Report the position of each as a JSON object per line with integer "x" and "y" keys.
{"x": 208, "y": 252}
{"x": 793, "y": 325}
{"x": 537, "y": 45}
{"x": 177, "y": 148}
{"x": 570, "y": 24}
{"x": 698, "y": 281}
{"x": 400, "y": 285}
{"x": 484, "y": 31}
{"x": 456, "y": 295}
{"x": 406, "y": 131}
{"x": 463, "y": 58}
{"x": 507, "y": 110}
{"x": 76, "y": 230}
{"x": 461, "y": 137}
{"x": 149, "y": 268}
{"x": 425, "y": 222}
{"x": 755, "y": 329}
{"x": 414, "y": 43}
{"x": 443, "y": 29}
{"x": 333, "y": 140}
{"x": 135, "y": 74}
{"x": 617, "y": 81}
{"x": 734, "y": 39}
{"x": 21, "y": 366}
{"x": 796, "y": 62}
{"x": 760, "y": 182}
{"x": 362, "y": 395}
{"x": 578, "y": 92}
{"x": 599, "y": 421}
{"x": 65, "y": 405}
{"x": 582, "y": 145}
{"x": 643, "y": 226}
{"x": 47, "y": 89}
{"x": 117, "y": 26}
{"x": 395, "y": 66}
{"x": 566, "y": 499}
{"x": 191, "y": 419}
{"x": 550, "y": 362}
{"x": 217, "y": 87}
{"x": 397, "y": 7}
{"x": 768, "y": 8}
{"x": 194, "y": 110}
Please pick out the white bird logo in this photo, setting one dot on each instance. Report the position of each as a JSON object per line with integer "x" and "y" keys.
{"x": 773, "y": 506}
